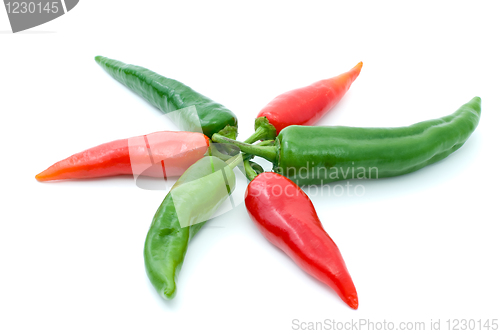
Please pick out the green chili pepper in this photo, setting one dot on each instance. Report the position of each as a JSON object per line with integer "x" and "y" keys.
{"x": 170, "y": 95}
{"x": 189, "y": 204}
{"x": 317, "y": 155}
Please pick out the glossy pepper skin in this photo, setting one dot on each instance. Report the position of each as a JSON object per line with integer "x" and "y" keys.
{"x": 194, "y": 197}
{"x": 317, "y": 155}
{"x": 159, "y": 154}
{"x": 169, "y": 95}
{"x": 286, "y": 217}
{"x": 303, "y": 106}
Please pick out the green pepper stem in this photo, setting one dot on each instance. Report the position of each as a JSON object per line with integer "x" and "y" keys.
{"x": 229, "y": 131}
{"x": 265, "y": 143}
{"x": 234, "y": 161}
{"x": 266, "y": 152}
{"x": 251, "y": 174}
{"x": 212, "y": 150}
{"x": 247, "y": 156}
{"x": 259, "y": 134}
{"x": 263, "y": 131}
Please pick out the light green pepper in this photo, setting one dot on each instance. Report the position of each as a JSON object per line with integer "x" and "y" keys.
{"x": 193, "y": 199}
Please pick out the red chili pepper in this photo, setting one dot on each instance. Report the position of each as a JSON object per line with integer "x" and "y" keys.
{"x": 306, "y": 105}
{"x": 287, "y": 218}
{"x": 159, "y": 154}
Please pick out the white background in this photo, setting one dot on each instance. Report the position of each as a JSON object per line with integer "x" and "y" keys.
{"x": 419, "y": 247}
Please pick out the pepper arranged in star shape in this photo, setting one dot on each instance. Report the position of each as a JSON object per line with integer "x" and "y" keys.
{"x": 301, "y": 155}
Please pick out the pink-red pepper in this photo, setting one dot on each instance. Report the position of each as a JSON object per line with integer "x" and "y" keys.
{"x": 286, "y": 216}
{"x": 302, "y": 106}
{"x": 159, "y": 154}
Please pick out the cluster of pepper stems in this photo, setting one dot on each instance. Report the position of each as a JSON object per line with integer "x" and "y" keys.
{"x": 301, "y": 154}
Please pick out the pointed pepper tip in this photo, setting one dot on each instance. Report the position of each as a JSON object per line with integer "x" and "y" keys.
{"x": 352, "y": 301}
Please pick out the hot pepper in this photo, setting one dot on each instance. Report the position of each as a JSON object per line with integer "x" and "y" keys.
{"x": 302, "y": 106}
{"x": 287, "y": 218}
{"x": 317, "y": 155}
{"x": 189, "y": 204}
{"x": 160, "y": 154}
{"x": 170, "y": 95}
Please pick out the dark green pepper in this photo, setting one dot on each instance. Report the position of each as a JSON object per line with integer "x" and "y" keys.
{"x": 170, "y": 95}
{"x": 318, "y": 155}
{"x": 190, "y": 203}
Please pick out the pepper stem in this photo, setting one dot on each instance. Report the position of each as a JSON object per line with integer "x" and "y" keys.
{"x": 235, "y": 161}
{"x": 265, "y": 143}
{"x": 212, "y": 150}
{"x": 266, "y": 152}
{"x": 229, "y": 131}
{"x": 257, "y": 135}
{"x": 263, "y": 131}
{"x": 249, "y": 171}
